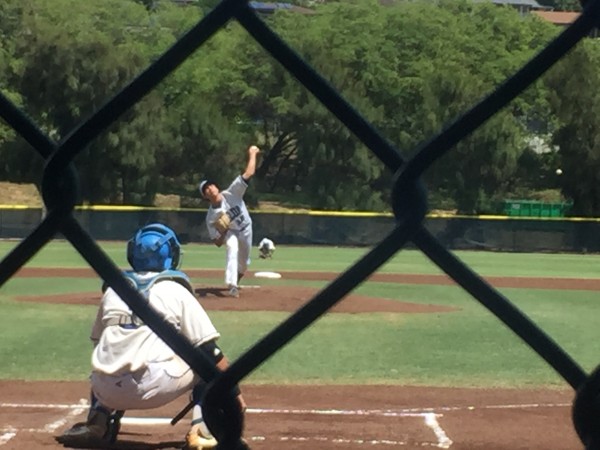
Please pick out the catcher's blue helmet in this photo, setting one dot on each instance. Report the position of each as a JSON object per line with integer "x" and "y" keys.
{"x": 154, "y": 248}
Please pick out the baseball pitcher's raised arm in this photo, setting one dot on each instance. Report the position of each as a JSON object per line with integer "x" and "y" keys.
{"x": 253, "y": 151}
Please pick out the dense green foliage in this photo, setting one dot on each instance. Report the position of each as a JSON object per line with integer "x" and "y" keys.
{"x": 409, "y": 67}
{"x": 576, "y": 135}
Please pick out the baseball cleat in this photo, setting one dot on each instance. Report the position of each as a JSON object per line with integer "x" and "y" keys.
{"x": 82, "y": 435}
{"x": 100, "y": 431}
{"x": 234, "y": 292}
{"x": 199, "y": 438}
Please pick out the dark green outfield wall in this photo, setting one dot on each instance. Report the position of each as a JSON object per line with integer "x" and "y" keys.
{"x": 345, "y": 229}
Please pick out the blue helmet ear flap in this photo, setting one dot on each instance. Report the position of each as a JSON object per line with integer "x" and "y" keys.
{"x": 154, "y": 247}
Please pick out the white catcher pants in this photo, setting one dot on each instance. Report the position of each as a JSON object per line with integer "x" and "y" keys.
{"x": 158, "y": 385}
{"x": 237, "y": 257}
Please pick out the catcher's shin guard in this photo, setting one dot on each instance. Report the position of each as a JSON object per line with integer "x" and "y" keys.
{"x": 114, "y": 425}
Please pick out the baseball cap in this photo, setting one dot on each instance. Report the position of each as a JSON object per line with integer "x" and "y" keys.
{"x": 203, "y": 185}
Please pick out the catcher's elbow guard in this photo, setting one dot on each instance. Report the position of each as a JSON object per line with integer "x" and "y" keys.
{"x": 212, "y": 350}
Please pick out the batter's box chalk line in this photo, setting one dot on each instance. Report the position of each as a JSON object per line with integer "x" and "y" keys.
{"x": 429, "y": 415}
{"x": 369, "y": 442}
{"x": 7, "y": 434}
{"x": 430, "y": 421}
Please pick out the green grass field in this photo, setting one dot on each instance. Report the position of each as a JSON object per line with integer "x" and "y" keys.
{"x": 463, "y": 348}
{"x": 336, "y": 259}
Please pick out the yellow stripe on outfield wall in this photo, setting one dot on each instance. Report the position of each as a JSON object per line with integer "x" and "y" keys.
{"x": 128, "y": 208}
{"x": 436, "y": 215}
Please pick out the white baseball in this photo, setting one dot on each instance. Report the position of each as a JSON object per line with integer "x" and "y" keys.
{"x": 558, "y": 171}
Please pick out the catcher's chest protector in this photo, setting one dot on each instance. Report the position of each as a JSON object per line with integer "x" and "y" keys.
{"x": 143, "y": 283}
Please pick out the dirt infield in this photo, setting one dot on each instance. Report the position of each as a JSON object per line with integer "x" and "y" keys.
{"x": 572, "y": 284}
{"x": 266, "y": 298}
{"x": 316, "y": 417}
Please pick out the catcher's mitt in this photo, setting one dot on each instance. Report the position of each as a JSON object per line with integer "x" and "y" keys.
{"x": 222, "y": 223}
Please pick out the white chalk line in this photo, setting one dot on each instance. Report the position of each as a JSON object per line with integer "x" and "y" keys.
{"x": 392, "y": 412}
{"x": 372, "y": 442}
{"x": 431, "y": 420}
{"x": 41, "y": 405}
{"x": 473, "y": 408}
{"x": 338, "y": 412}
{"x": 430, "y": 416}
{"x": 167, "y": 421}
{"x": 7, "y": 434}
{"x": 10, "y": 432}
{"x": 404, "y": 412}
{"x": 52, "y": 427}
{"x": 443, "y": 442}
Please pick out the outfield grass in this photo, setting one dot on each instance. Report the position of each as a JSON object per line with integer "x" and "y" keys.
{"x": 337, "y": 259}
{"x": 462, "y": 348}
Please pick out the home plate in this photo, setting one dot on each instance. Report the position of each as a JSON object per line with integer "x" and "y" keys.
{"x": 267, "y": 275}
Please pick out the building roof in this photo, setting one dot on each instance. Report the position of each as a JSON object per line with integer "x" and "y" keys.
{"x": 558, "y": 17}
{"x": 529, "y": 3}
{"x": 270, "y": 7}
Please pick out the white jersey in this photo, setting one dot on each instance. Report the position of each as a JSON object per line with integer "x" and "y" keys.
{"x": 233, "y": 204}
{"x": 124, "y": 349}
{"x": 266, "y": 243}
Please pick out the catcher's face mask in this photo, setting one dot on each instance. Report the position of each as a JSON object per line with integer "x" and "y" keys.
{"x": 154, "y": 248}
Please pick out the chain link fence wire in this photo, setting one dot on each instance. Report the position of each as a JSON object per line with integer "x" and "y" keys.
{"x": 409, "y": 203}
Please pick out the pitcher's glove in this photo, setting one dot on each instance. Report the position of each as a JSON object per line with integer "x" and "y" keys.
{"x": 222, "y": 223}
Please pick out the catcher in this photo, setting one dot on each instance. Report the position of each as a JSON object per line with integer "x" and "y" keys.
{"x": 228, "y": 222}
{"x": 132, "y": 368}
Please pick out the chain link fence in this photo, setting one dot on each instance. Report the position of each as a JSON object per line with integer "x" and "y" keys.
{"x": 409, "y": 204}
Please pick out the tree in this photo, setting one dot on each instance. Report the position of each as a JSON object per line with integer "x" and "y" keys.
{"x": 9, "y": 24}
{"x": 67, "y": 72}
{"x": 481, "y": 53}
{"x": 576, "y": 102}
{"x": 314, "y": 151}
{"x": 444, "y": 58}
{"x": 410, "y": 68}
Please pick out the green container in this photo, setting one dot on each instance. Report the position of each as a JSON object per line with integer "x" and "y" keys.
{"x": 548, "y": 210}
{"x": 512, "y": 208}
{"x": 532, "y": 208}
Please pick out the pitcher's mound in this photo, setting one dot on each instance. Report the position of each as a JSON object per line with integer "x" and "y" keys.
{"x": 265, "y": 298}
{"x": 290, "y": 298}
